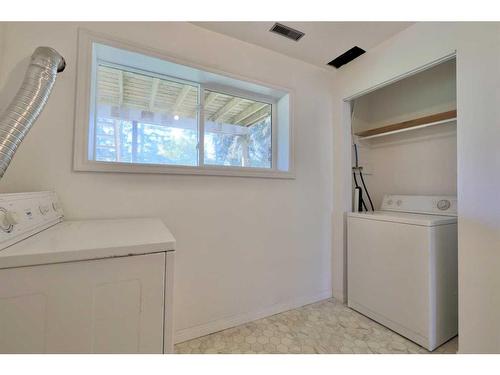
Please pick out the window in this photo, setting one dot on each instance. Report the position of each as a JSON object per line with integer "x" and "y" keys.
{"x": 139, "y": 113}
{"x": 238, "y": 131}
{"x": 144, "y": 119}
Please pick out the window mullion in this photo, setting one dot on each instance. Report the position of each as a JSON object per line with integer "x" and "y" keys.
{"x": 274, "y": 137}
{"x": 117, "y": 132}
{"x": 201, "y": 126}
{"x": 134, "y": 141}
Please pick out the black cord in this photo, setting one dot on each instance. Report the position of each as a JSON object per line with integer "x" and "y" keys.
{"x": 356, "y": 154}
{"x": 354, "y": 175}
{"x": 366, "y": 190}
{"x": 356, "y": 184}
{"x": 362, "y": 179}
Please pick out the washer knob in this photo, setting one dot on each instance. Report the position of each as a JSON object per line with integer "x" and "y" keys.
{"x": 443, "y": 204}
{"x": 8, "y": 219}
{"x": 11, "y": 218}
{"x": 6, "y": 227}
{"x": 399, "y": 202}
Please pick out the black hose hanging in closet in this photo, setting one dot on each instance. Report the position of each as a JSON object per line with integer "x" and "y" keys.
{"x": 366, "y": 190}
{"x": 356, "y": 185}
{"x": 356, "y": 154}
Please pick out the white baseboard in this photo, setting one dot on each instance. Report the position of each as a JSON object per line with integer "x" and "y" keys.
{"x": 235, "y": 320}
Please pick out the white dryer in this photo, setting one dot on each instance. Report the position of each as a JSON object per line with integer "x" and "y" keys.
{"x": 402, "y": 266}
{"x": 92, "y": 286}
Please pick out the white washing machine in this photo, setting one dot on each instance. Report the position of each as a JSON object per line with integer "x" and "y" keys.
{"x": 402, "y": 266}
{"x": 93, "y": 286}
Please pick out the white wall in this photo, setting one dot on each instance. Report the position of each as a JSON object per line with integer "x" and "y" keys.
{"x": 419, "y": 162}
{"x": 2, "y": 40}
{"x": 426, "y": 93}
{"x": 478, "y": 133}
{"x": 246, "y": 246}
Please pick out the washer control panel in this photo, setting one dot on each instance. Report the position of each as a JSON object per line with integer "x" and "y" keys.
{"x": 24, "y": 214}
{"x": 422, "y": 204}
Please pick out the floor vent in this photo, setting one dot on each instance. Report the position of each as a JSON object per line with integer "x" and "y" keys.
{"x": 347, "y": 57}
{"x": 286, "y": 31}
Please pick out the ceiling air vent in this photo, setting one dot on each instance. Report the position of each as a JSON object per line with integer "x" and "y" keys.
{"x": 286, "y": 31}
{"x": 347, "y": 57}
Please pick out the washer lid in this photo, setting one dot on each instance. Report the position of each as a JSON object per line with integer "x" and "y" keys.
{"x": 71, "y": 241}
{"x": 405, "y": 218}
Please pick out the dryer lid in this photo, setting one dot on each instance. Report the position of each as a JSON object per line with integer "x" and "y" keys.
{"x": 71, "y": 241}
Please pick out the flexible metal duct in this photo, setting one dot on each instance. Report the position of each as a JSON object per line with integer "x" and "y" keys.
{"x": 29, "y": 101}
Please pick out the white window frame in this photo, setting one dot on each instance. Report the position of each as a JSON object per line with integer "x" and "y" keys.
{"x": 85, "y": 106}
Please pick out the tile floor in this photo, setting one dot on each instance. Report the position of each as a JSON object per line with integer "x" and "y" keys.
{"x": 323, "y": 327}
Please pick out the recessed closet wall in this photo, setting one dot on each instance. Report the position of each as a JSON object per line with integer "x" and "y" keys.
{"x": 416, "y": 161}
{"x": 477, "y": 47}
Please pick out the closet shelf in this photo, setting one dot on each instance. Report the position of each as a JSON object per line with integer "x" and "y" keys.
{"x": 421, "y": 122}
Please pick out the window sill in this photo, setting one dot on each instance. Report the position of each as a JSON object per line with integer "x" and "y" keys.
{"x": 93, "y": 166}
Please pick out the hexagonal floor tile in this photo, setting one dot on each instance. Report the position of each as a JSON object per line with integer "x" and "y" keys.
{"x": 323, "y": 327}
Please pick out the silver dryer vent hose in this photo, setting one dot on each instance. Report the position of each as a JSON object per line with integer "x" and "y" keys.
{"x": 22, "y": 112}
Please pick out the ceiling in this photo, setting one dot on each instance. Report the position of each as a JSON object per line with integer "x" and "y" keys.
{"x": 323, "y": 40}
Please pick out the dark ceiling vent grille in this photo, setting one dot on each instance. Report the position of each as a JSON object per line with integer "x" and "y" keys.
{"x": 347, "y": 57}
{"x": 286, "y": 31}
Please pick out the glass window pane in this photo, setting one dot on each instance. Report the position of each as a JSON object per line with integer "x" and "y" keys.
{"x": 145, "y": 119}
{"x": 237, "y": 131}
